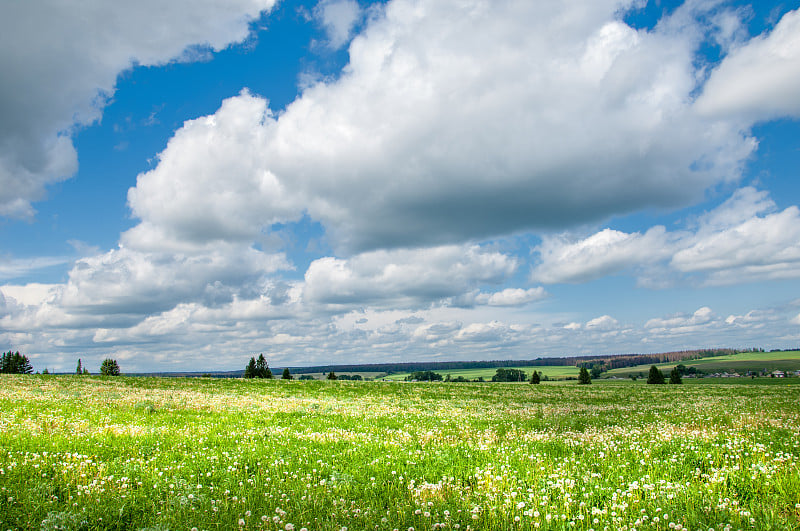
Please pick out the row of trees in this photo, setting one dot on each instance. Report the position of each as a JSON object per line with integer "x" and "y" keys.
{"x": 259, "y": 368}
{"x": 657, "y": 377}
{"x": 15, "y": 363}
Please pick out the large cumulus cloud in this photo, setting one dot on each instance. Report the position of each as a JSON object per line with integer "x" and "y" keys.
{"x": 456, "y": 121}
{"x": 59, "y": 65}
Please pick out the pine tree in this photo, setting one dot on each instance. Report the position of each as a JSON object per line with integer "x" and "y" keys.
{"x": 675, "y": 376}
{"x": 655, "y": 376}
{"x": 535, "y": 378}
{"x": 287, "y": 375}
{"x": 250, "y": 369}
{"x": 583, "y": 377}
{"x": 79, "y": 369}
{"x": 109, "y": 367}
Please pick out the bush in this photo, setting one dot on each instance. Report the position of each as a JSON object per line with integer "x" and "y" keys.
{"x": 655, "y": 376}
{"x": 424, "y": 376}
{"x": 306, "y": 377}
{"x": 109, "y": 367}
{"x": 509, "y": 375}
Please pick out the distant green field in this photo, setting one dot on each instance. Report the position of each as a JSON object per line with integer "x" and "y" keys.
{"x": 743, "y": 362}
{"x": 556, "y": 372}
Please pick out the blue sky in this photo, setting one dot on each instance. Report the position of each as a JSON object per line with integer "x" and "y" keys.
{"x": 342, "y": 181}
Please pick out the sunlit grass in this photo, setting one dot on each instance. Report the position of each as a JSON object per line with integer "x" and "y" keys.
{"x": 127, "y": 453}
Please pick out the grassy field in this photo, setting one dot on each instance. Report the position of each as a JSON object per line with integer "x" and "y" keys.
{"x": 557, "y": 372}
{"x": 742, "y": 362}
{"x": 179, "y": 454}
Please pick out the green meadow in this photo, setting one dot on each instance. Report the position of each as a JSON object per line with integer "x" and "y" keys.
{"x": 557, "y": 372}
{"x": 181, "y": 454}
{"x": 741, "y": 363}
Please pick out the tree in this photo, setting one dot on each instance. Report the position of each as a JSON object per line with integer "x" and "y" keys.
{"x": 675, "y": 376}
{"x": 109, "y": 367}
{"x": 250, "y": 369}
{"x": 262, "y": 368}
{"x": 535, "y": 378}
{"x": 79, "y": 369}
{"x": 15, "y": 363}
{"x": 583, "y": 377}
{"x": 287, "y": 375}
{"x": 655, "y": 376}
{"x": 331, "y": 376}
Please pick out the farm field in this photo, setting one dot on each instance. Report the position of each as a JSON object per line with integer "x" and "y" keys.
{"x": 556, "y": 371}
{"x": 742, "y": 362}
{"x": 157, "y": 454}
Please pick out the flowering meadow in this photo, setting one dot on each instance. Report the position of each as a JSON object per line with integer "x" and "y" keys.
{"x": 181, "y": 454}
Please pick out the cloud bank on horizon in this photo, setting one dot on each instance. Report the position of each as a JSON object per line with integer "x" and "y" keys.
{"x": 464, "y": 168}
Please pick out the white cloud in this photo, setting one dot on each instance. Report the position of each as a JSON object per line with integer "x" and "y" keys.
{"x": 512, "y": 296}
{"x": 122, "y": 286}
{"x": 456, "y": 121}
{"x": 404, "y": 276}
{"x": 604, "y": 322}
{"x": 755, "y": 248}
{"x": 796, "y": 320}
{"x": 761, "y": 78}
{"x": 339, "y": 18}
{"x": 13, "y": 268}
{"x": 604, "y": 253}
{"x": 211, "y": 183}
{"x": 742, "y": 240}
{"x": 60, "y": 64}
{"x": 680, "y": 323}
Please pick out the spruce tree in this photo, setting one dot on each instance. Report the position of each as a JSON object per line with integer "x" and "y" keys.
{"x": 535, "y": 378}
{"x": 109, "y": 367}
{"x": 15, "y": 363}
{"x": 262, "y": 368}
{"x": 583, "y": 377}
{"x": 675, "y": 376}
{"x": 79, "y": 369}
{"x": 287, "y": 375}
{"x": 655, "y": 376}
{"x": 250, "y": 369}
{"x": 331, "y": 376}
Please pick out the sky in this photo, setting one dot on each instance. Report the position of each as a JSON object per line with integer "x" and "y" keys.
{"x": 186, "y": 185}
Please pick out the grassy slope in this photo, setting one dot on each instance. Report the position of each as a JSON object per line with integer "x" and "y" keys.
{"x": 559, "y": 371}
{"x": 743, "y": 362}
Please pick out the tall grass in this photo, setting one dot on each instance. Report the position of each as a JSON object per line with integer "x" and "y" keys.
{"x": 127, "y": 453}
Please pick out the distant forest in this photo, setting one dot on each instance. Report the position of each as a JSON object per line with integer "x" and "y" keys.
{"x": 611, "y": 362}
{"x": 614, "y": 361}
